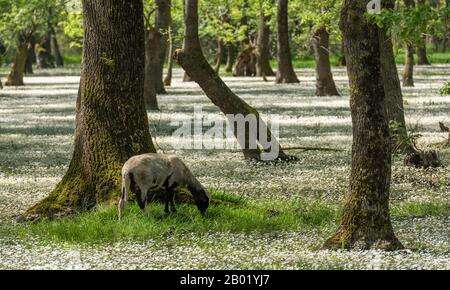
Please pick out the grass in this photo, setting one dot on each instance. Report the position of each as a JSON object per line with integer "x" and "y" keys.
{"x": 236, "y": 215}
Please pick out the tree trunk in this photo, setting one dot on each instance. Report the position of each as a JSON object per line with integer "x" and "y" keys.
{"x": 191, "y": 58}
{"x": 285, "y": 73}
{"x": 218, "y": 55}
{"x": 366, "y": 221}
{"x": 230, "y": 60}
{"x": 422, "y": 58}
{"x": 152, "y": 40}
{"x": 168, "y": 78}
{"x": 163, "y": 18}
{"x": 31, "y": 56}
{"x": 408, "y": 79}
{"x": 111, "y": 121}
{"x": 342, "y": 60}
{"x": 15, "y": 77}
{"x": 263, "y": 45}
{"x": 59, "y": 60}
{"x": 44, "y": 52}
{"x": 325, "y": 85}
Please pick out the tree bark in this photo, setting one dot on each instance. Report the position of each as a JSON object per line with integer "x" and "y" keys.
{"x": 168, "y": 78}
{"x": 230, "y": 59}
{"x": 59, "y": 60}
{"x": 366, "y": 221}
{"x": 31, "y": 56}
{"x": 152, "y": 40}
{"x": 408, "y": 78}
{"x": 422, "y": 58}
{"x": 111, "y": 121}
{"x": 218, "y": 55}
{"x": 285, "y": 72}
{"x": 44, "y": 52}
{"x": 342, "y": 60}
{"x": 163, "y": 19}
{"x": 263, "y": 46}
{"x": 325, "y": 85}
{"x": 15, "y": 77}
{"x": 191, "y": 58}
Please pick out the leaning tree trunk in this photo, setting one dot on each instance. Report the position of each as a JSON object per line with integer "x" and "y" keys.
{"x": 168, "y": 78}
{"x": 44, "y": 52}
{"x": 218, "y": 55}
{"x": 263, "y": 45}
{"x": 152, "y": 40}
{"x": 285, "y": 73}
{"x": 15, "y": 77}
{"x": 366, "y": 221}
{"x": 325, "y": 85}
{"x": 408, "y": 79}
{"x": 31, "y": 56}
{"x": 230, "y": 60}
{"x": 163, "y": 18}
{"x": 111, "y": 121}
{"x": 192, "y": 60}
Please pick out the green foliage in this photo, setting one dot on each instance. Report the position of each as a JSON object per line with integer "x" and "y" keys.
{"x": 403, "y": 138}
{"x": 445, "y": 90}
{"x": 409, "y": 24}
{"x": 73, "y": 25}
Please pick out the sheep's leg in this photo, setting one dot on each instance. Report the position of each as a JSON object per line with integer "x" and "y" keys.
{"x": 172, "y": 201}
{"x": 167, "y": 201}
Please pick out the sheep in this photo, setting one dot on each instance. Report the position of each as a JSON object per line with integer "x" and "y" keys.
{"x": 148, "y": 173}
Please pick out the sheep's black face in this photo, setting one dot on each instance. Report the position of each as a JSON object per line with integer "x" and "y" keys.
{"x": 202, "y": 201}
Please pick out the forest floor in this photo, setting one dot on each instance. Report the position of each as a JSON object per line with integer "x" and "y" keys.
{"x": 289, "y": 209}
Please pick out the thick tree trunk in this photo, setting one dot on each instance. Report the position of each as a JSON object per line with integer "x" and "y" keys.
{"x": 218, "y": 55}
{"x": 59, "y": 60}
{"x": 152, "y": 40}
{"x": 366, "y": 221}
{"x": 15, "y": 77}
{"x": 111, "y": 121}
{"x": 263, "y": 45}
{"x": 408, "y": 79}
{"x": 230, "y": 59}
{"x": 168, "y": 78}
{"x": 191, "y": 58}
{"x": 163, "y": 19}
{"x": 325, "y": 85}
{"x": 285, "y": 72}
{"x": 31, "y": 56}
{"x": 44, "y": 52}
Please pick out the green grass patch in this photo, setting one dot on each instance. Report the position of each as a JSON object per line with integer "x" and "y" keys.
{"x": 235, "y": 215}
{"x": 422, "y": 209}
{"x": 72, "y": 58}
{"x": 228, "y": 213}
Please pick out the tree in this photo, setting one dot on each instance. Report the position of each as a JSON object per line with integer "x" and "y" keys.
{"x": 366, "y": 221}
{"x": 111, "y": 121}
{"x": 192, "y": 60}
{"x": 263, "y": 40}
{"x": 285, "y": 72}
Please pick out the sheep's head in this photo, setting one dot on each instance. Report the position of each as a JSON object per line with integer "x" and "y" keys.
{"x": 201, "y": 198}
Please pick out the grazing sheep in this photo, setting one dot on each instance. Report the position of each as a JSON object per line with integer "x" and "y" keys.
{"x": 148, "y": 173}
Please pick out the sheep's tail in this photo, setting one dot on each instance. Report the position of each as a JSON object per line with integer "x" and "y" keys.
{"x": 126, "y": 180}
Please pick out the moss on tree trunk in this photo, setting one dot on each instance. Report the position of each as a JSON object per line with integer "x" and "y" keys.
{"x": 366, "y": 221}
{"x": 111, "y": 121}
